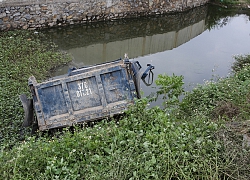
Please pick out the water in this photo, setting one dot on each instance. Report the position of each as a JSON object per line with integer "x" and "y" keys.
{"x": 198, "y": 44}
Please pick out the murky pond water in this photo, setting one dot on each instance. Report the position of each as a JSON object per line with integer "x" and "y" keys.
{"x": 198, "y": 44}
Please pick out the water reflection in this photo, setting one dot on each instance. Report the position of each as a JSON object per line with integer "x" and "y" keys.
{"x": 102, "y": 42}
{"x": 140, "y": 46}
{"x": 196, "y": 44}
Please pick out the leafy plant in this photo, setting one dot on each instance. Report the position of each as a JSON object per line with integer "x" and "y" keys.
{"x": 241, "y": 61}
{"x": 170, "y": 88}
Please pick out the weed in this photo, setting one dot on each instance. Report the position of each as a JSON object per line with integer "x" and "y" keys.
{"x": 169, "y": 88}
{"x": 146, "y": 143}
{"x": 227, "y": 99}
{"x": 241, "y": 61}
{"x": 149, "y": 144}
{"x": 22, "y": 54}
{"x": 225, "y": 109}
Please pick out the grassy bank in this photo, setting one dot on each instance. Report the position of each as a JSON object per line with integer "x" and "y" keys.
{"x": 22, "y": 54}
{"x": 199, "y": 138}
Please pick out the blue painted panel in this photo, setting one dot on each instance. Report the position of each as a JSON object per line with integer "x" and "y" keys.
{"x": 84, "y": 93}
{"x": 115, "y": 87}
{"x": 52, "y": 101}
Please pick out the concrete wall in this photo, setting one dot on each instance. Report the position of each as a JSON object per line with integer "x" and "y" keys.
{"x": 32, "y": 14}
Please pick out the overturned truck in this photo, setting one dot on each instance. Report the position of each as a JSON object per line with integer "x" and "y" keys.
{"x": 84, "y": 94}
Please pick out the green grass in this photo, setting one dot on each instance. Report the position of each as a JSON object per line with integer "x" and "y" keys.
{"x": 22, "y": 54}
{"x": 145, "y": 145}
{"x": 198, "y": 138}
{"x": 224, "y": 96}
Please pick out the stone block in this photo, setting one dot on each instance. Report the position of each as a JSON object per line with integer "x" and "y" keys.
{"x": 27, "y": 16}
{"x": 17, "y": 14}
{"x": 2, "y": 15}
{"x": 44, "y": 8}
{"x": 69, "y": 17}
{"x": 21, "y": 9}
{"x": 5, "y": 19}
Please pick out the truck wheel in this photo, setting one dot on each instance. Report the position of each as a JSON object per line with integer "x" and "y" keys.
{"x": 28, "y": 110}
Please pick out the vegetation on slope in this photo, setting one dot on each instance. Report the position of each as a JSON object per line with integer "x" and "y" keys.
{"x": 22, "y": 54}
{"x": 198, "y": 138}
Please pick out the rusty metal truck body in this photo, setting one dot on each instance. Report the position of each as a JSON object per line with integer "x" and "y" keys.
{"x": 84, "y": 94}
